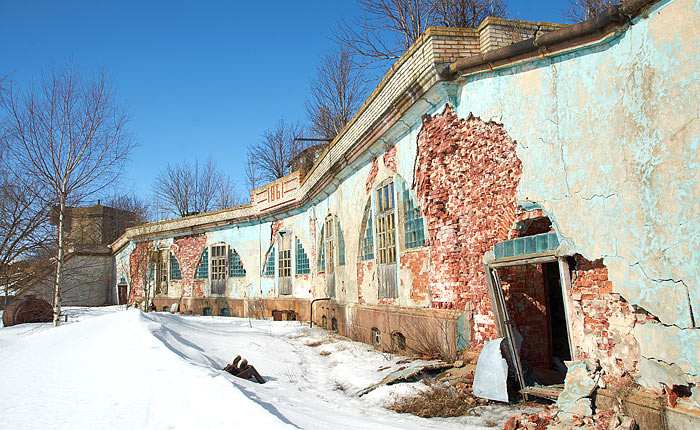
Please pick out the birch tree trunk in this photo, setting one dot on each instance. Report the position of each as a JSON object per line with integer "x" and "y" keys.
{"x": 58, "y": 286}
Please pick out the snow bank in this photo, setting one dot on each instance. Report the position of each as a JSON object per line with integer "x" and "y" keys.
{"x": 133, "y": 370}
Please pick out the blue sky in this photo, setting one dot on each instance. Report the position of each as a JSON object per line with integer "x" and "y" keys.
{"x": 198, "y": 78}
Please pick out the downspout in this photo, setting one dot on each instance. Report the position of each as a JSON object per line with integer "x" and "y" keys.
{"x": 311, "y": 310}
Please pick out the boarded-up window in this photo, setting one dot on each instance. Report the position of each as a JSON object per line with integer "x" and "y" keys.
{"x": 386, "y": 240}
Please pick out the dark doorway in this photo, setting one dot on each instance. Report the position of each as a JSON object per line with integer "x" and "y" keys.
{"x": 556, "y": 312}
{"x": 535, "y": 306}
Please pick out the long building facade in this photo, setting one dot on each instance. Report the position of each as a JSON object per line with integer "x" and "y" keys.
{"x": 546, "y": 188}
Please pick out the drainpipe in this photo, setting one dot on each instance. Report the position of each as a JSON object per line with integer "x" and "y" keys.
{"x": 311, "y": 310}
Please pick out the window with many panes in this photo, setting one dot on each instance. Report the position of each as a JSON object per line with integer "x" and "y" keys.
{"x": 202, "y": 270}
{"x": 162, "y": 287}
{"x": 386, "y": 224}
{"x": 413, "y": 222}
{"x": 330, "y": 258}
{"x": 175, "y": 273}
{"x": 367, "y": 245}
{"x": 270, "y": 263}
{"x": 218, "y": 262}
{"x": 341, "y": 245}
{"x": 321, "y": 263}
{"x": 235, "y": 265}
{"x": 284, "y": 268}
{"x": 151, "y": 272}
{"x": 302, "y": 260}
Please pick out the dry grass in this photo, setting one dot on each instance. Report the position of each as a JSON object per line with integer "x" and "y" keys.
{"x": 439, "y": 400}
{"x": 319, "y": 342}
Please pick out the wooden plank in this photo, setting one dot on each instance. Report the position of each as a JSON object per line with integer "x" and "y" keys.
{"x": 565, "y": 281}
{"x": 510, "y": 336}
{"x": 550, "y": 392}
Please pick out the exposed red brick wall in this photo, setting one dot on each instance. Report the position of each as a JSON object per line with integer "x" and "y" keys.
{"x": 274, "y": 228}
{"x": 390, "y": 158}
{"x": 138, "y": 265}
{"x": 466, "y": 176}
{"x": 414, "y": 262}
{"x": 362, "y": 268}
{"x": 372, "y": 175}
{"x": 593, "y": 298}
{"x": 187, "y": 250}
{"x": 526, "y": 301}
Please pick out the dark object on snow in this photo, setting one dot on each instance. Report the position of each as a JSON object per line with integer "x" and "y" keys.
{"x": 27, "y": 310}
{"x": 240, "y": 367}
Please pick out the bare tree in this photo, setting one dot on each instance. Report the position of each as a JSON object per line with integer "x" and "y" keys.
{"x": 24, "y": 233}
{"x": 131, "y": 203}
{"x": 228, "y": 196}
{"x": 582, "y": 10}
{"x": 193, "y": 187}
{"x": 467, "y": 13}
{"x": 337, "y": 91}
{"x": 387, "y": 28}
{"x": 70, "y": 135}
{"x": 252, "y": 177}
{"x": 269, "y": 159}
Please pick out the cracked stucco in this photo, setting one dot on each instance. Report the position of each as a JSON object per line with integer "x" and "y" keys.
{"x": 609, "y": 138}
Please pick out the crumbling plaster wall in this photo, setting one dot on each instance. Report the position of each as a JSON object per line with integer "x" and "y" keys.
{"x": 608, "y": 137}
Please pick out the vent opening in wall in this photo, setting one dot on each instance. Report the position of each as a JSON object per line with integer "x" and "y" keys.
{"x": 334, "y": 324}
{"x": 166, "y": 308}
{"x": 398, "y": 341}
{"x": 206, "y": 311}
{"x": 376, "y": 336}
{"x": 324, "y": 321}
{"x": 225, "y": 312}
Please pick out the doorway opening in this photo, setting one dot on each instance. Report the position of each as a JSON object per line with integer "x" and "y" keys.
{"x": 535, "y": 305}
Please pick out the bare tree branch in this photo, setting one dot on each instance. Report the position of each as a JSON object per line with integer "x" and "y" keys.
{"x": 269, "y": 159}
{"x": 186, "y": 188}
{"x": 467, "y": 13}
{"x": 336, "y": 93}
{"x": 387, "y": 28}
{"x": 70, "y": 137}
{"x": 582, "y": 10}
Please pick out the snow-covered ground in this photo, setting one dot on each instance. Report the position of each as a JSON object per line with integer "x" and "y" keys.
{"x": 110, "y": 368}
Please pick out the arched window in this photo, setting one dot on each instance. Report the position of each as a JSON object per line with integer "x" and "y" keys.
{"x": 398, "y": 341}
{"x": 376, "y": 336}
{"x": 367, "y": 239}
{"x": 302, "y": 260}
{"x": 414, "y": 234}
{"x": 175, "y": 273}
{"x": 235, "y": 265}
{"x": 202, "y": 270}
{"x": 386, "y": 239}
{"x": 270, "y": 262}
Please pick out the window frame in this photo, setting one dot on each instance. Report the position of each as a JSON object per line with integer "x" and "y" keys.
{"x": 386, "y": 245}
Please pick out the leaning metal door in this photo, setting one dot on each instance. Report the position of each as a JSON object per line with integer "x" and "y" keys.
{"x": 330, "y": 258}
{"x": 386, "y": 241}
{"x": 218, "y": 270}
{"x": 284, "y": 265}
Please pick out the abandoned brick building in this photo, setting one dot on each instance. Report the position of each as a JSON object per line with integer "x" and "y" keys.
{"x": 549, "y": 183}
